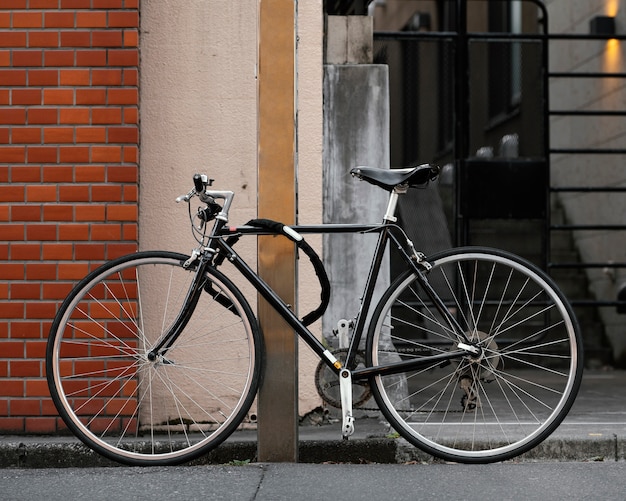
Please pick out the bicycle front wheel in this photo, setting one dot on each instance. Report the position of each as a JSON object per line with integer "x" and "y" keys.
{"x": 499, "y": 403}
{"x": 132, "y": 407}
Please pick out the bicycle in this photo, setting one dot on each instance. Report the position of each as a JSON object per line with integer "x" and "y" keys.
{"x": 472, "y": 355}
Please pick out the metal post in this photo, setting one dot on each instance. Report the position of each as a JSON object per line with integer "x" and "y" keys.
{"x": 278, "y": 395}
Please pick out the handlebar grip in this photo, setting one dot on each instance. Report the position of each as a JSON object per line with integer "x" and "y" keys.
{"x": 198, "y": 183}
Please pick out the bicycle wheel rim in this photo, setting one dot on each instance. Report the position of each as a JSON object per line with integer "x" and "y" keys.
{"x": 520, "y": 389}
{"x": 163, "y": 411}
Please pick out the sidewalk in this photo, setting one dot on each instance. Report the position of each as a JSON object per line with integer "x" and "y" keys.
{"x": 595, "y": 429}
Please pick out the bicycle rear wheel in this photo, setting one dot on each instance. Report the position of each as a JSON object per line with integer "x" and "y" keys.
{"x": 165, "y": 411}
{"x": 498, "y": 404}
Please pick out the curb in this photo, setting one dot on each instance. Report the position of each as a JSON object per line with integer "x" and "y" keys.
{"x": 51, "y": 453}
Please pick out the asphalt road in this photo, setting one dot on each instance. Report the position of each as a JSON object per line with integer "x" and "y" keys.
{"x": 504, "y": 481}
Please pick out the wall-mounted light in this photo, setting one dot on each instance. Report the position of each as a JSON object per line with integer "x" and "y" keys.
{"x": 602, "y": 25}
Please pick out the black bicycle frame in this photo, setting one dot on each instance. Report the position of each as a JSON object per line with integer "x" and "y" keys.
{"x": 385, "y": 235}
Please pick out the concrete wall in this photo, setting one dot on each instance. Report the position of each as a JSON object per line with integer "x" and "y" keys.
{"x": 356, "y": 132}
{"x": 199, "y": 114}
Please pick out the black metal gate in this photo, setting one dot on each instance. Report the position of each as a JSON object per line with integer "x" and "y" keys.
{"x": 470, "y": 83}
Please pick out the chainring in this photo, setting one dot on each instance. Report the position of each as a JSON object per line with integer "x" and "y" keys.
{"x": 327, "y": 382}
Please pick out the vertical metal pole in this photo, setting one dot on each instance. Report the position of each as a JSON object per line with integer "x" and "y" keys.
{"x": 278, "y": 395}
{"x": 461, "y": 107}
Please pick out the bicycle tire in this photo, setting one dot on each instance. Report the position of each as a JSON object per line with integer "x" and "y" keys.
{"x": 487, "y": 408}
{"x": 162, "y": 412}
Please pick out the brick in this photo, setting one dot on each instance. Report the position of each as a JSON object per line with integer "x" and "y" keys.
{"x": 123, "y": 19}
{"x": 74, "y": 193}
{"x": 106, "y": 154}
{"x": 40, "y": 425}
{"x": 131, "y": 77}
{"x": 27, "y": 58}
{"x": 13, "y": 39}
{"x": 91, "y": 135}
{"x": 25, "y": 329}
{"x": 59, "y": 58}
{"x": 91, "y": 57}
{"x": 73, "y": 271}
{"x": 43, "y": 4}
{"x": 89, "y": 174}
{"x": 74, "y": 115}
{"x": 130, "y": 193}
{"x": 106, "y": 232}
{"x": 26, "y": 135}
{"x": 42, "y": 154}
{"x": 74, "y": 154}
{"x": 123, "y": 135}
{"x": 56, "y": 290}
{"x": 26, "y": 174}
{"x": 13, "y": 77}
{"x": 57, "y": 252}
{"x": 25, "y": 252}
{"x": 59, "y": 19}
{"x": 41, "y": 271}
{"x": 4, "y": 135}
{"x": 24, "y": 213}
{"x": 43, "y": 77}
{"x": 12, "y": 271}
{"x": 131, "y": 38}
{"x": 12, "y": 116}
{"x": 4, "y": 216}
{"x": 117, "y": 174}
{"x": 5, "y": 58}
{"x": 122, "y": 213}
{"x": 26, "y": 96}
{"x": 31, "y": 407}
{"x": 91, "y": 19}
{"x": 43, "y": 193}
{"x": 35, "y": 349}
{"x": 12, "y": 310}
{"x": 27, "y": 19}
{"x": 13, "y": 154}
{"x": 104, "y": 193}
{"x": 25, "y": 291}
{"x": 58, "y": 96}
{"x": 75, "y": 39}
{"x": 43, "y": 39}
{"x": 41, "y": 232}
{"x": 42, "y": 116}
{"x": 12, "y": 231}
{"x": 106, "y": 77}
{"x": 90, "y": 252}
{"x": 12, "y": 349}
{"x": 12, "y": 387}
{"x": 109, "y": 38}
{"x": 4, "y": 98}
{"x": 123, "y": 57}
{"x": 58, "y": 213}
{"x": 123, "y": 96}
{"x": 58, "y": 135}
{"x": 107, "y": 115}
{"x": 5, "y": 19}
{"x": 74, "y": 232}
{"x": 12, "y": 424}
{"x": 118, "y": 250}
{"x": 90, "y": 213}
{"x": 16, "y": 194}
{"x": 58, "y": 174}
{"x": 75, "y": 77}
{"x": 108, "y": 4}
{"x": 91, "y": 96}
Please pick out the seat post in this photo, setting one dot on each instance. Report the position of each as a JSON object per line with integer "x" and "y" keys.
{"x": 390, "y": 214}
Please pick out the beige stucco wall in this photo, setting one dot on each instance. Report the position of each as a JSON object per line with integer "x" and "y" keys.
{"x": 199, "y": 114}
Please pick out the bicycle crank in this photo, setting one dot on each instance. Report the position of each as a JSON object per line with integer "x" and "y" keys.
{"x": 327, "y": 383}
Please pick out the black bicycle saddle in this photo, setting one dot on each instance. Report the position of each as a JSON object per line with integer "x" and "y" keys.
{"x": 388, "y": 179}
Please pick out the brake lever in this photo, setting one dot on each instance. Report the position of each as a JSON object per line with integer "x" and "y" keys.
{"x": 186, "y": 197}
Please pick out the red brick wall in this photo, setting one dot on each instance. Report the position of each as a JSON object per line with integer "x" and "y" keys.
{"x": 68, "y": 174}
